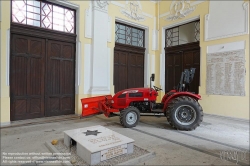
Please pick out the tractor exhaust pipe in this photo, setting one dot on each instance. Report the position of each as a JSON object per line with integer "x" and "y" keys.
{"x": 152, "y": 78}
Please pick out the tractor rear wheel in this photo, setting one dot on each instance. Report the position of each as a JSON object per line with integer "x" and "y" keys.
{"x": 129, "y": 117}
{"x": 184, "y": 113}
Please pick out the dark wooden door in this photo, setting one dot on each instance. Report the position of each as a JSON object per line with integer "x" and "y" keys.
{"x": 135, "y": 70}
{"x": 177, "y": 59}
{"x": 173, "y": 65}
{"x": 27, "y": 77}
{"x": 60, "y": 82}
{"x": 42, "y": 72}
{"x": 191, "y": 59}
{"x": 128, "y": 67}
{"x": 120, "y": 70}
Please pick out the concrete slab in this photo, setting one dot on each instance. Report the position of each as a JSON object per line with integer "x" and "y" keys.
{"x": 97, "y": 143}
{"x": 133, "y": 161}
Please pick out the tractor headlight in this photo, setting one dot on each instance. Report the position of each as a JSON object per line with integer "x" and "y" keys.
{"x": 86, "y": 105}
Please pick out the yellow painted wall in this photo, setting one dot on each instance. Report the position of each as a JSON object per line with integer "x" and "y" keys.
{"x": 231, "y": 106}
{"x": 113, "y": 11}
{"x": 4, "y": 96}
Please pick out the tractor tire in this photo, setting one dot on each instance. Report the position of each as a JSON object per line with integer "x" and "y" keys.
{"x": 129, "y": 117}
{"x": 184, "y": 113}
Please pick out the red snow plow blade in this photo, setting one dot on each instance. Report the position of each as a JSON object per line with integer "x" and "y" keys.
{"x": 97, "y": 105}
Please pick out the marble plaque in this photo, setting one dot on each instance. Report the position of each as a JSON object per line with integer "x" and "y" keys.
{"x": 113, "y": 152}
{"x": 226, "y": 73}
{"x": 97, "y": 143}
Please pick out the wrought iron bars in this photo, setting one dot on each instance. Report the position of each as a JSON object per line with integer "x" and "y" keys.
{"x": 129, "y": 35}
{"x": 173, "y": 38}
{"x": 43, "y": 14}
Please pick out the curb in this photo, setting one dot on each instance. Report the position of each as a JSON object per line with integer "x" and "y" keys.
{"x": 137, "y": 160}
{"x": 54, "y": 150}
{"x": 133, "y": 161}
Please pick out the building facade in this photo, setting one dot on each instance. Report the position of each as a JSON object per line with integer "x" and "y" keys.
{"x": 53, "y": 53}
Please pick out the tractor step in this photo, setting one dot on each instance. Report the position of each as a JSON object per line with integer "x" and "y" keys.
{"x": 157, "y": 111}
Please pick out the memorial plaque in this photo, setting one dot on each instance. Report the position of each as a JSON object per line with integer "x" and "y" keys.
{"x": 226, "y": 73}
{"x": 97, "y": 143}
{"x": 113, "y": 152}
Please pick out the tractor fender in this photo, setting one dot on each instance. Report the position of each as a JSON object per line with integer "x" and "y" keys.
{"x": 178, "y": 94}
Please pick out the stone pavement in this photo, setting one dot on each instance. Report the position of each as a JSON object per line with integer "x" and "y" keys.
{"x": 218, "y": 141}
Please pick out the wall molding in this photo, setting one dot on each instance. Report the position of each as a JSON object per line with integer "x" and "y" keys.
{"x": 192, "y": 4}
{"x": 65, "y": 3}
{"x": 8, "y": 57}
{"x": 133, "y": 10}
{"x": 102, "y": 3}
{"x": 155, "y": 36}
{"x": 179, "y": 10}
{"x": 78, "y": 68}
{"x": 154, "y": 1}
{"x": 208, "y": 17}
{"x": 88, "y": 22}
{"x": 0, "y": 11}
{"x": 109, "y": 33}
{"x": 87, "y": 68}
{"x": 239, "y": 45}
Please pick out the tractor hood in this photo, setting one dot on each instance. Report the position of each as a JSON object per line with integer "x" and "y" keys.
{"x": 133, "y": 90}
{"x": 122, "y": 99}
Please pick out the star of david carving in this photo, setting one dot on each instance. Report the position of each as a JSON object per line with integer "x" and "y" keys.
{"x": 89, "y": 132}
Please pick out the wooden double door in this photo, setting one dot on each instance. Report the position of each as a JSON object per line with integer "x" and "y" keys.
{"x": 177, "y": 59}
{"x": 128, "y": 67}
{"x": 42, "y": 73}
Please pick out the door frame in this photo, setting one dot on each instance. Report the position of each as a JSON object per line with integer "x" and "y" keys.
{"x": 46, "y": 34}
{"x": 78, "y": 64}
{"x": 162, "y": 56}
{"x": 146, "y": 54}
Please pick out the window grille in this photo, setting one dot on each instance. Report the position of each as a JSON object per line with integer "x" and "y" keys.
{"x": 129, "y": 35}
{"x": 44, "y": 15}
{"x": 197, "y": 31}
{"x": 174, "y": 36}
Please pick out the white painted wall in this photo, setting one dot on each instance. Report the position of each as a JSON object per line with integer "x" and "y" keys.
{"x": 226, "y": 19}
{"x": 97, "y": 54}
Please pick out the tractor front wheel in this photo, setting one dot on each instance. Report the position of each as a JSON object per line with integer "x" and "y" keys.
{"x": 184, "y": 113}
{"x": 129, "y": 117}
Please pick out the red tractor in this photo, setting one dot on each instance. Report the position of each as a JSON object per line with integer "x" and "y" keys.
{"x": 181, "y": 107}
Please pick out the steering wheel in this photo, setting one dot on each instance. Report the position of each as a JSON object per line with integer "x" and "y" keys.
{"x": 156, "y": 88}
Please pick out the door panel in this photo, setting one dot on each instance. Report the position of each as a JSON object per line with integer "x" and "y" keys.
{"x": 173, "y": 70}
{"x": 128, "y": 69}
{"x": 192, "y": 60}
{"x": 120, "y": 70}
{"x": 140, "y": 71}
{"x": 60, "y": 82}
{"x": 27, "y": 77}
{"x": 132, "y": 71}
{"x": 136, "y": 71}
{"x": 177, "y": 61}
